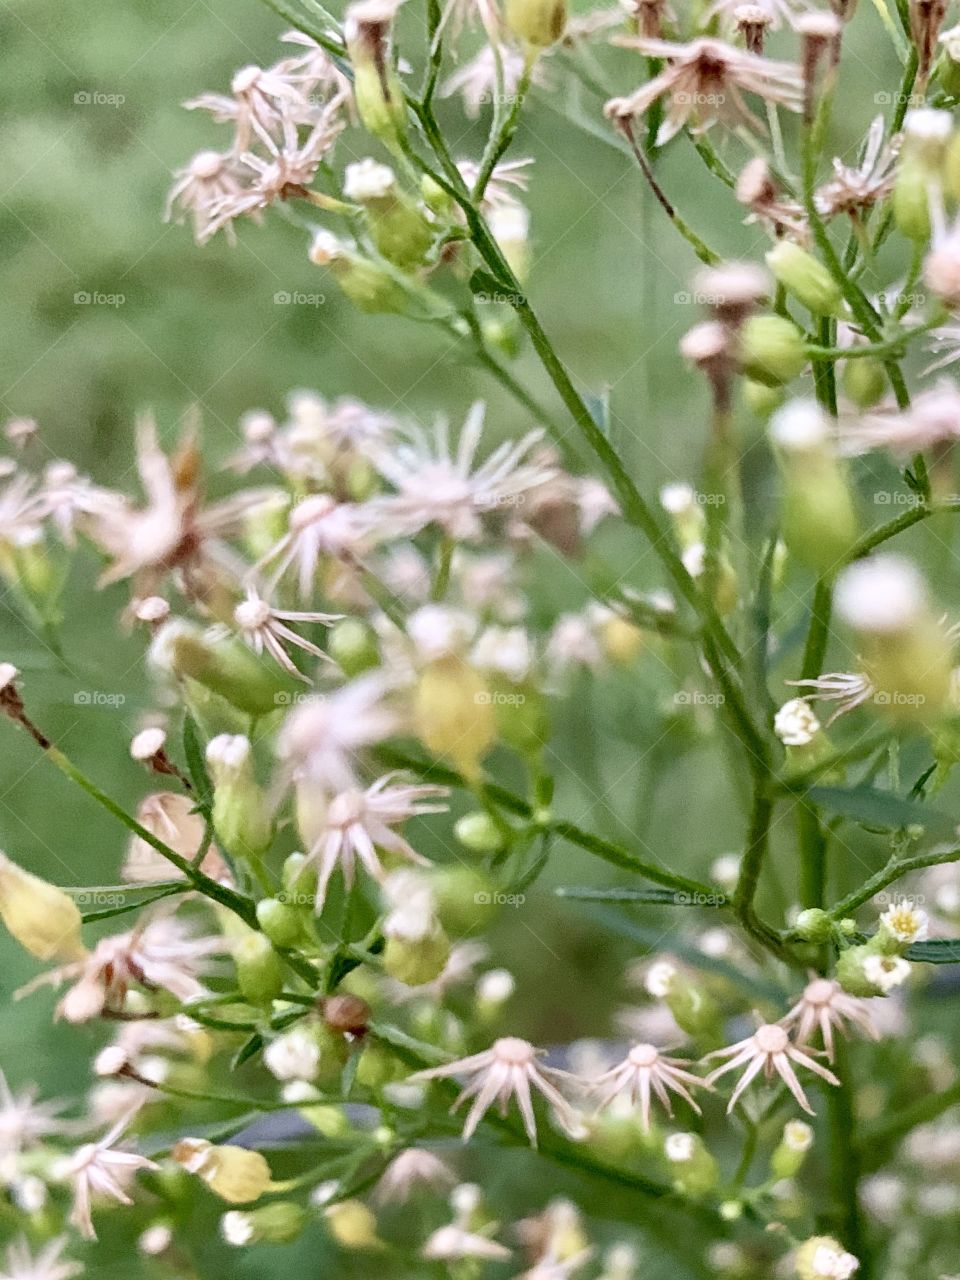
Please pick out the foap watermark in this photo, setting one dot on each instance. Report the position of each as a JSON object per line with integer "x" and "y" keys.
{"x": 896, "y": 698}
{"x": 897, "y": 498}
{"x": 885, "y": 98}
{"x": 499, "y": 698}
{"x": 496, "y": 898}
{"x": 99, "y": 899}
{"x": 94, "y": 298}
{"x": 287, "y": 698}
{"x": 509, "y": 299}
{"x": 683, "y": 899}
{"x": 98, "y": 698}
{"x": 697, "y": 698}
{"x": 97, "y": 98}
{"x": 295, "y": 298}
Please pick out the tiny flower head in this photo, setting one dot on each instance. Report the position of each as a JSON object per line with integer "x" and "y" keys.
{"x": 508, "y": 1068}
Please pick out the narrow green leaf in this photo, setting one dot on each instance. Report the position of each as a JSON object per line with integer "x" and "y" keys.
{"x": 884, "y": 810}
{"x": 196, "y": 764}
{"x": 648, "y": 897}
{"x": 936, "y": 951}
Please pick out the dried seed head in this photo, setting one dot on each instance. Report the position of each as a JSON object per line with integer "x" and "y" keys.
{"x": 752, "y": 22}
{"x": 346, "y": 1013}
{"x": 732, "y": 290}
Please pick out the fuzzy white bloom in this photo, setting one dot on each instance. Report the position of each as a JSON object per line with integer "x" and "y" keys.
{"x": 725, "y": 870}
{"x": 506, "y": 650}
{"x": 797, "y": 1135}
{"x": 293, "y": 1056}
{"x": 678, "y": 499}
{"x": 495, "y": 986}
{"x": 413, "y": 916}
{"x": 367, "y": 179}
{"x": 152, "y": 609}
{"x": 927, "y": 124}
{"x": 97, "y": 1168}
{"x": 886, "y": 972}
{"x": 147, "y": 744}
{"x": 906, "y": 922}
{"x": 236, "y": 1228}
{"x": 8, "y": 675}
{"x": 659, "y": 978}
{"x": 680, "y": 1147}
{"x": 694, "y": 559}
{"x": 228, "y": 752}
{"x": 439, "y": 630}
{"x": 155, "y": 1240}
{"x": 880, "y": 596}
{"x": 795, "y": 724}
{"x": 45, "y": 1265}
{"x": 324, "y": 249}
{"x": 832, "y": 1262}
{"x": 799, "y": 426}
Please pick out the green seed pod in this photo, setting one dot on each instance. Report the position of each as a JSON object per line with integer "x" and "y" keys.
{"x": 276, "y": 1223}
{"x": 819, "y": 521}
{"x": 478, "y": 832}
{"x": 906, "y": 651}
{"x": 538, "y": 22}
{"x": 377, "y": 90}
{"x": 226, "y": 667}
{"x": 761, "y": 399}
{"x": 806, "y": 278}
{"x": 352, "y": 644}
{"x": 416, "y": 962}
{"x": 911, "y": 201}
{"x": 814, "y": 925}
{"x": 282, "y": 923}
{"x": 241, "y": 812}
{"x": 259, "y": 971}
{"x": 864, "y": 381}
{"x": 789, "y": 1155}
{"x": 464, "y": 898}
{"x": 771, "y": 350}
{"x": 695, "y": 1171}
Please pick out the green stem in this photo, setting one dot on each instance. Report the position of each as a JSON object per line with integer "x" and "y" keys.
{"x": 845, "y": 1165}
{"x": 608, "y": 850}
{"x": 894, "y": 870}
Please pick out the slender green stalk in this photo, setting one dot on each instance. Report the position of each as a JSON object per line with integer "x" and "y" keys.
{"x": 895, "y": 869}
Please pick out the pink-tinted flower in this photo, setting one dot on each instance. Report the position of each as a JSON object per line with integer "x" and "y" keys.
{"x": 95, "y": 1169}
{"x": 769, "y": 1050}
{"x": 508, "y": 1069}
{"x": 824, "y": 1006}
{"x": 643, "y": 1072}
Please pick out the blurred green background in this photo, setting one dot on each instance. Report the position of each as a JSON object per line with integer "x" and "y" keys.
{"x": 93, "y": 128}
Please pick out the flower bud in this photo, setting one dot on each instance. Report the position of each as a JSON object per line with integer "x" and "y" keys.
{"x": 241, "y": 813}
{"x": 416, "y": 961}
{"x": 378, "y": 1066}
{"x": 806, "y": 278}
{"x": 866, "y": 971}
{"x": 789, "y": 1155}
{"x": 353, "y": 1225}
{"x": 798, "y": 728}
{"x": 463, "y": 897}
{"x": 397, "y": 227}
{"x": 276, "y": 1223}
{"x": 42, "y": 918}
{"x": 282, "y": 922}
{"x": 864, "y": 381}
{"x": 234, "y": 1174}
{"x": 911, "y": 202}
{"x": 478, "y": 832}
{"x": 679, "y": 500}
{"x": 770, "y": 349}
{"x": 369, "y": 287}
{"x": 227, "y": 667}
{"x": 299, "y": 878}
{"x": 906, "y": 651}
{"x": 761, "y": 399}
{"x": 822, "y": 1257}
{"x": 259, "y": 971}
{"x": 537, "y": 22}
{"x": 813, "y": 925}
{"x": 453, "y": 713}
{"x": 694, "y": 1169}
{"x": 352, "y": 645}
{"x": 377, "y": 90}
{"x": 819, "y": 521}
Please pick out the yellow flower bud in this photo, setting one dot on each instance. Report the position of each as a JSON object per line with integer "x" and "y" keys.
{"x": 42, "y": 918}
{"x": 453, "y": 713}
{"x": 234, "y": 1174}
{"x": 539, "y": 22}
{"x": 806, "y": 278}
{"x": 353, "y": 1225}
